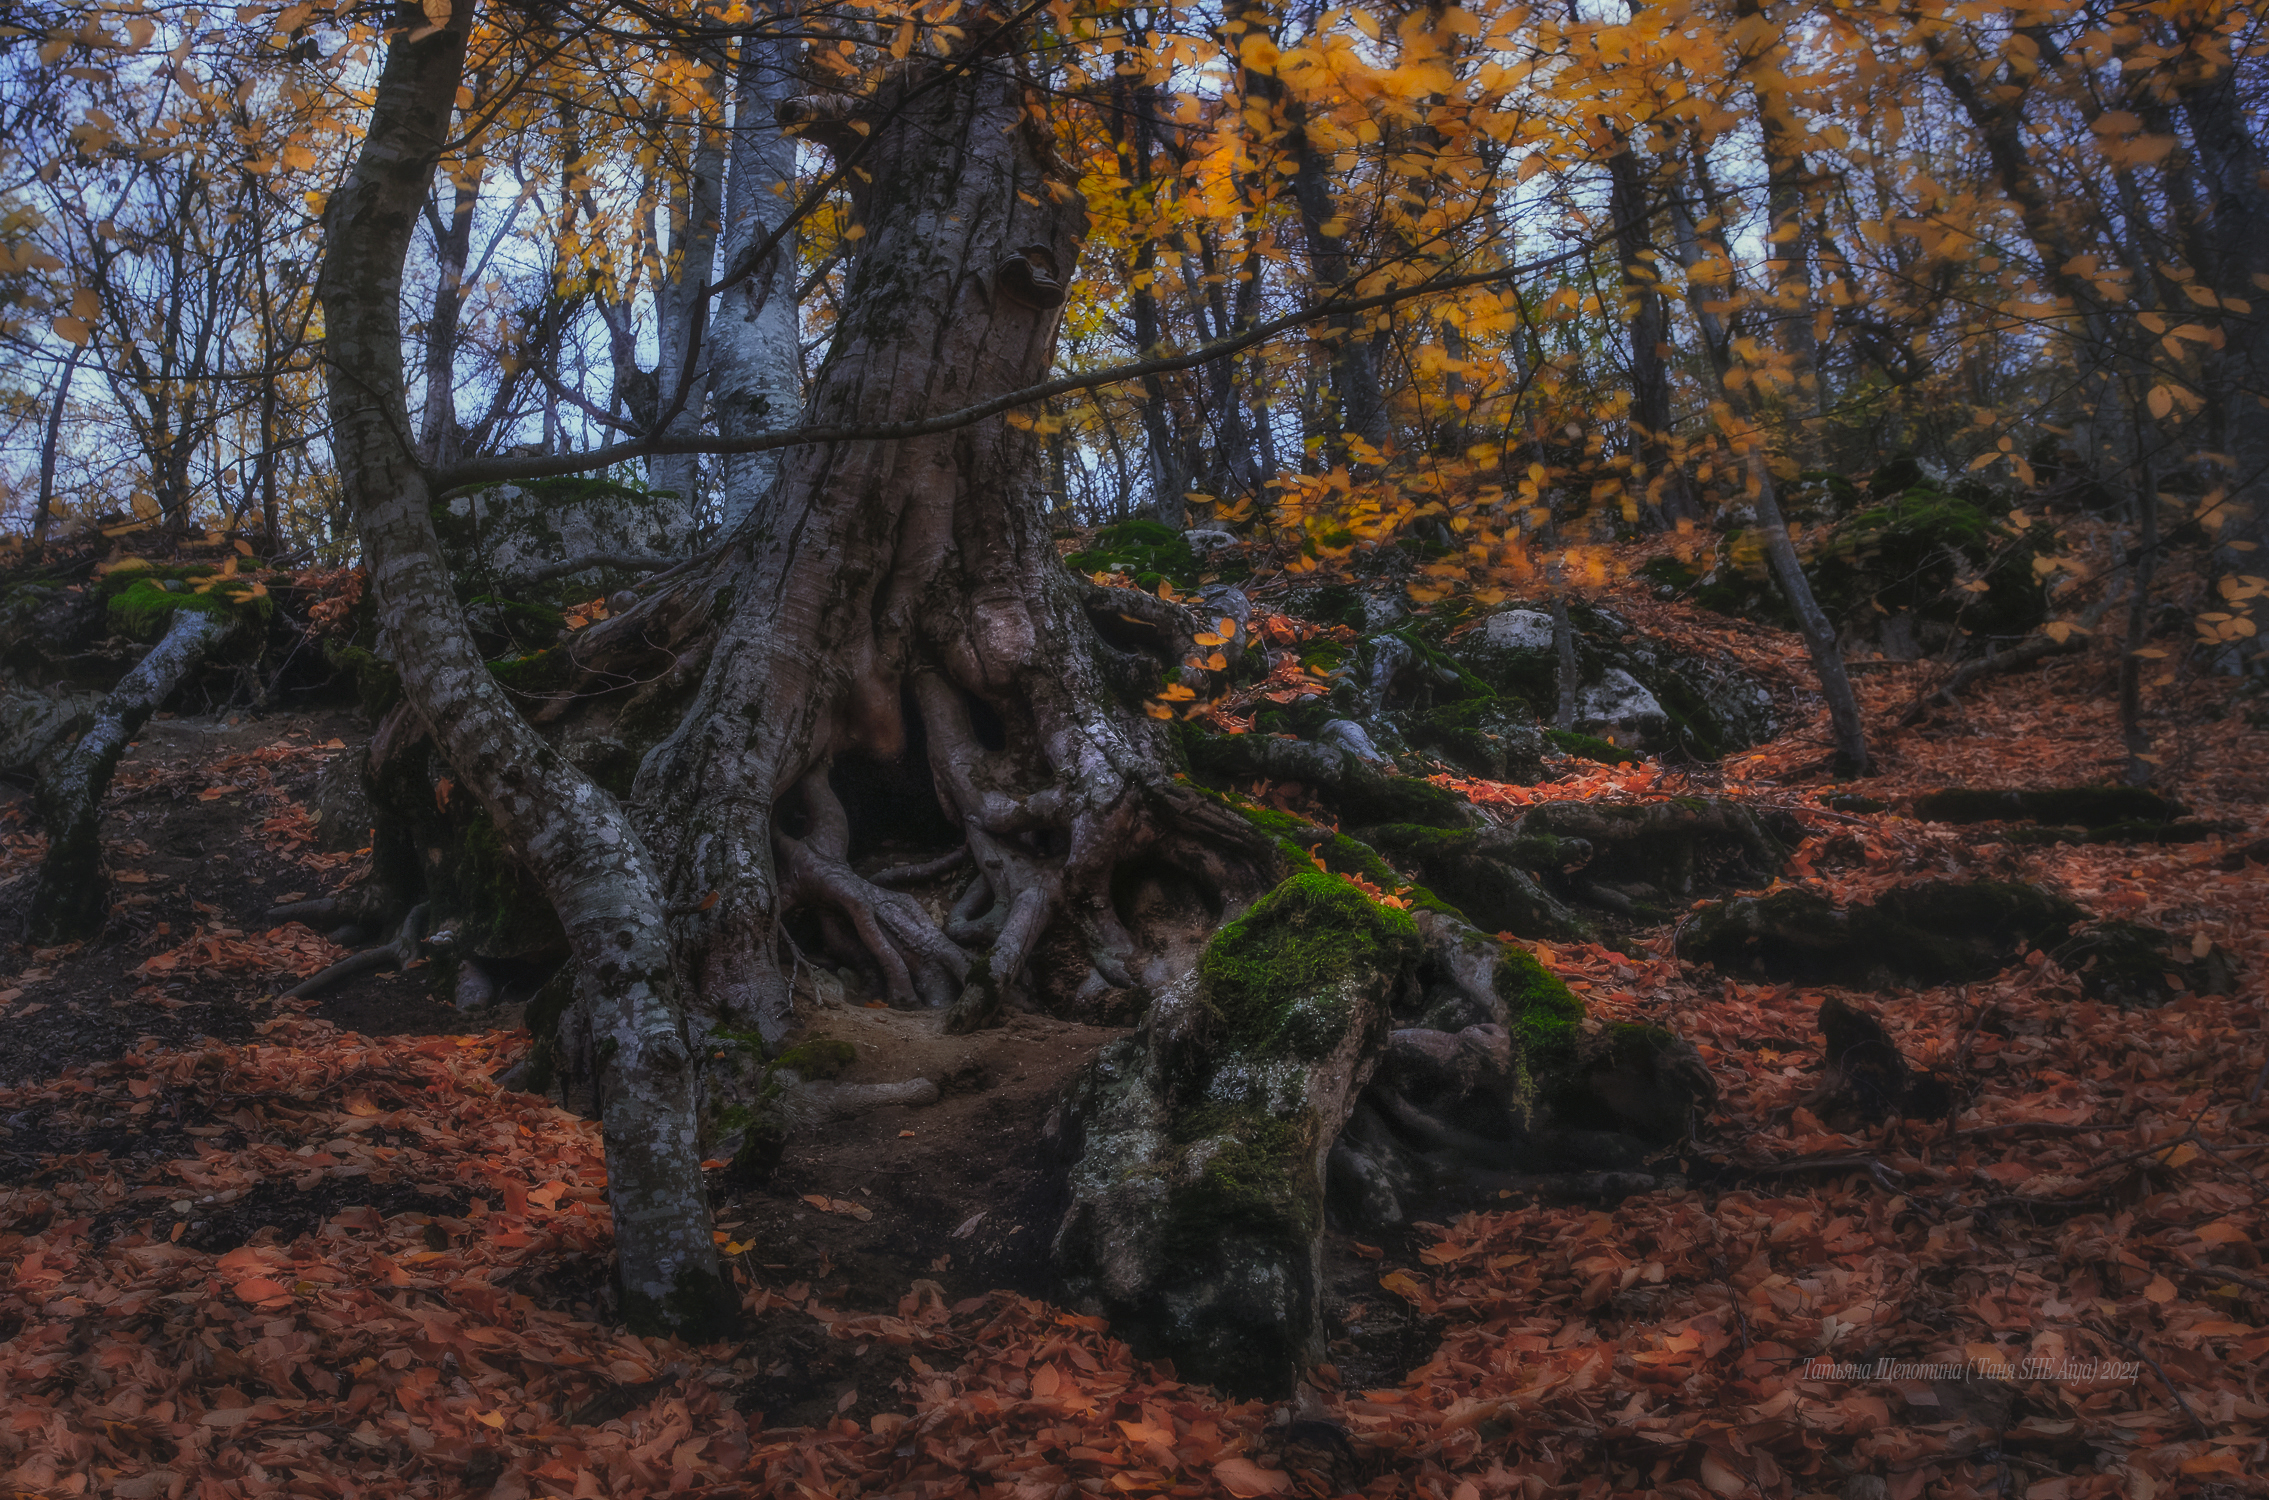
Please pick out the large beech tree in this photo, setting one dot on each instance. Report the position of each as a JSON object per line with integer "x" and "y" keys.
{"x": 889, "y": 596}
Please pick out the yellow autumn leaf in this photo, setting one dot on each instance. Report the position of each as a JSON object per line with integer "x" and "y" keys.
{"x": 2161, "y": 401}
{"x": 73, "y": 330}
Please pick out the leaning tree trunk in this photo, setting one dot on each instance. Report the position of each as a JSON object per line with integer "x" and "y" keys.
{"x": 574, "y": 838}
{"x": 72, "y": 895}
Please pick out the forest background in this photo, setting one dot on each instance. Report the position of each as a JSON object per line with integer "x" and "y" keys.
{"x": 1513, "y": 296}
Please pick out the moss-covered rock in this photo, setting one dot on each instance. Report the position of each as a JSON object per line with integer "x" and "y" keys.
{"x": 1147, "y": 551}
{"x": 1484, "y": 874}
{"x": 1937, "y": 932}
{"x": 498, "y": 539}
{"x": 2135, "y": 964}
{"x": 443, "y": 844}
{"x": 144, "y": 609}
{"x": 1591, "y": 747}
{"x": 2128, "y": 831}
{"x": 1495, "y": 738}
{"x": 1272, "y": 977}
{"x": 1909, "y": 573}
{"x": 377, "y": 685}
{"x": 34, "y": 726}
{"x": 2084, "y": 806}
{"x": 1357, "y": 791}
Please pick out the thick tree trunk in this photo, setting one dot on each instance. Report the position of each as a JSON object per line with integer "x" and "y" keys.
{"x": 573, "y": 837}
{"x": 72, "y": 895}
{"x": 888, "y": 596}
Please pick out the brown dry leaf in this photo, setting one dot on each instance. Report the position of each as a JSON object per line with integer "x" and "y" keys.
{"x": 1244, "y": 1478}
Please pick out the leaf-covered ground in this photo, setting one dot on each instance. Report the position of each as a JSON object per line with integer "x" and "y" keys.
{"x": 301, "y": 1260}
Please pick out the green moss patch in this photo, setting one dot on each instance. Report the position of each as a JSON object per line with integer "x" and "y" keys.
{"x": 1483, "y": 876}
{"x": 144, "y": 609}
{"x": 1253, "y": 1177}
{"x": 1146, "y": 550}
{"x": 1544, "y": 1015}
{"x": 1591, "y": 747}
{"x": 1274, "y": 978}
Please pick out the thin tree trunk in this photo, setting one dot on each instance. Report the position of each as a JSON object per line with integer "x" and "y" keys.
{"x": 574, "y": 839}
{"x": 2233, "y": 163}
{"x": 2144, "y": 471}
{"x": 1653, "y": 471}
{"x": 677, "y": 300}
{"x": 438, "y": 432}
{"x": 1569, "y": 680}
{"x": 72, "y": 897}
{"x": 1847, "y": 725}
{"x": 47, "y": 453}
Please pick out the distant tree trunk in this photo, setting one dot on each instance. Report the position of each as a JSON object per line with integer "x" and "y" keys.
{"x": 1657, "y": 475}
{"x": 2235, "y": 167}
{"x": 695, "y": 220}
{"x": 755, "y": 365}
{"x": 1788, "y": 265}
{"x": 47, "y": 451}
{"x": 439, "y": 436}
{"x": 574, "y": 838}
{"x": 1568, "y": 680}
{"x": 73, "y": 897}
{"x": 1847, "y": 724}
{"x": 2143, "y": 473}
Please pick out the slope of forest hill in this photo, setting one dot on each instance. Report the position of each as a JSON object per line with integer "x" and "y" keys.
{"x": 259, "y": 1246}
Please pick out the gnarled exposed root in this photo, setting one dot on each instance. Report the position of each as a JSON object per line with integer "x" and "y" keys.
{"x": 919, "y": 965}
{"x": 395, "y": 955}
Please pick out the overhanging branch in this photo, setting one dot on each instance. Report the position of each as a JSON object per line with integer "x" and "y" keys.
{"x": 500, "y": 470}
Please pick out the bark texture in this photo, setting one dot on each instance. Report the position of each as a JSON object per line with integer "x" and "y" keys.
{"x": 574, "y": 839}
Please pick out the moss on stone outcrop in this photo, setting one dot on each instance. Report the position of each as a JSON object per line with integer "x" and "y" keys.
{"x": 1146, "y": 551}
{"x": 145, "y": 608}
{"x": 1591, "y": 747}
{"x": 1251, "y": 1177}
{"x": 1543, "y": 1014}
{"x": 1357, "y": 792}
{"x": 2082, "y": 806}
{"x": 2134, "y": 964}
{"x": 1937, "y": 932}
{"x": 1483, "y": 875}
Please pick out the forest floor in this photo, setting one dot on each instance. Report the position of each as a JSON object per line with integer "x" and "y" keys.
{"x": 254, "y": 1246}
